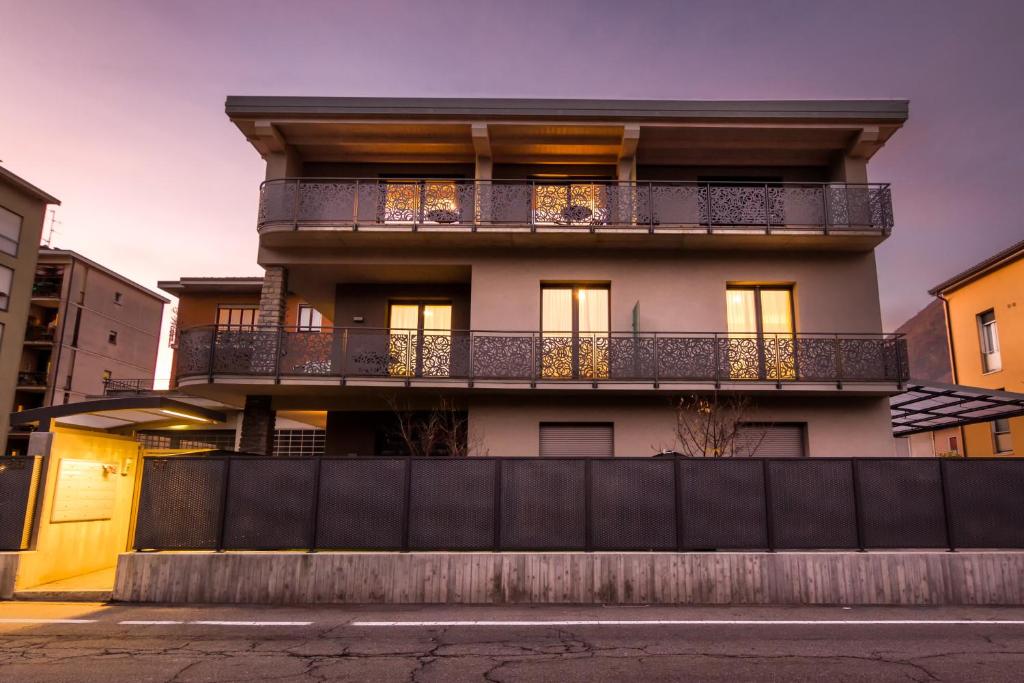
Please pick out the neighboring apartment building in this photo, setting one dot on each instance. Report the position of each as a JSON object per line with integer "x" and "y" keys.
{"x": 22, "y": 212}
{"x": 559, "y": 273}
{"x": 985, "y": 332}
{"x": 86, "y": 325}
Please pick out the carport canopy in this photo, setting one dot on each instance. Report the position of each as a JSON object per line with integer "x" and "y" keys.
{"x": 926, "y": 406}
{"x": 120, "y": 412}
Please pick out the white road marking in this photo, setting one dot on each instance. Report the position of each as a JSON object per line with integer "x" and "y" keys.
{"x": 251, "y": 623}
{"x": 709, "y": 622}
{"x": 47, "y": 621}
{"x": 155, "y": 622}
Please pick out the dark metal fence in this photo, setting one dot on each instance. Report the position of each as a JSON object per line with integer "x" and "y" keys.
{"x": 650, "y": 357}
{"x": 586, "y": 504}
{"x": 580, "y": 204}
{"x": 18, "y": 480}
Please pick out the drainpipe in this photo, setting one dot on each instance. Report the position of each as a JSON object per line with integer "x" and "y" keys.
{"x": 952, "y": 360}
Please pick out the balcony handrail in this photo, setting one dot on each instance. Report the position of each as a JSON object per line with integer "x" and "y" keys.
{"x": 575, "y": 202}
{"x": 342, "y": 352}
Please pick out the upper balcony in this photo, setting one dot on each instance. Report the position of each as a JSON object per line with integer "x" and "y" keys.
{"x": 360, "y": 356}
{"x": 574, "y": 206}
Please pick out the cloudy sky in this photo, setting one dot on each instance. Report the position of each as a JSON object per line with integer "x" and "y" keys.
{"x": 117, "y": 107}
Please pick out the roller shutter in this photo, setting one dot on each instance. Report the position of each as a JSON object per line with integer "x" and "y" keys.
{"x": 771, "y": 441}
{"x": 576, "y": 440}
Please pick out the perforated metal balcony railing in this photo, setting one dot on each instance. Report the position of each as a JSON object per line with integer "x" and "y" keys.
{"x": 490, "y": 356}
{"x": 585, "y": 205}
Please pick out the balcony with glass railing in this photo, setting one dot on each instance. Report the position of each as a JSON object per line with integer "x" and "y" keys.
{"x": 285, "y": 354}
{"x": 575, "y": 206}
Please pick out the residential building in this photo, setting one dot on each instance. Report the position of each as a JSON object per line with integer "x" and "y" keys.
{"x": 22, "y": 213}
{"x": 86, "y": 324}
{"x": 984, "y": 328}
{"x": 556, "y": 274}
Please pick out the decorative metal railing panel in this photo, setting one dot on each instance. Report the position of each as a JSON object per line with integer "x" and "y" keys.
{"x": 282, "y": 352}
{"x": 567, "y": 204}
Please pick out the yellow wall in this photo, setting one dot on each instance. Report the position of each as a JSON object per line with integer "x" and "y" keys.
{"x": 1002, "y": 291}
{"x": 65, "y": 549}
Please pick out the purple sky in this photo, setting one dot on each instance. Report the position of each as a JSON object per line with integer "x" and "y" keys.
{"x": 117, "y": 107}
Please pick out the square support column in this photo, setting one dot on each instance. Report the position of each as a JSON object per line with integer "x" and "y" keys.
{"x": 258, "y": 420}
{"x": 273, "y": 296}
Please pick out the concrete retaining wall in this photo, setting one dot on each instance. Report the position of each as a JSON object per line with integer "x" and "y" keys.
{"x": 803, "y": 578}
{"x": 8, "y": 572}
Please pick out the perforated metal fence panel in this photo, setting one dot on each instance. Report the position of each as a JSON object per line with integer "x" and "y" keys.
{"x": 986, "y": 503}
{"x": 180, "y": 503}
{"x": 811, "y": 503}
{"x": 16, "y": 475}
{"x": 451, "y": 504}
{"x": 362, "y": 504}
{"x": 632, "y": 504}
{"x": 722, "y": 504}
{"x": 900, "y": 504}
{"x": 270, "y": 503}
{"x": 543, "y": 505}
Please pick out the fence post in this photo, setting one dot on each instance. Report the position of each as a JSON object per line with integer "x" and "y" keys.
{"x": 405, "y": 504}
{"x": 650, "y": 207}
{"x": 588, "y": 545}
{"x": 224, "y": 504}
{"x": 856, "y": 506}
{"x": 314, "y": 532}
{"x": 766, "y": 480}
{"x": 496, "y": 540}
{"x": 944, "y": 492}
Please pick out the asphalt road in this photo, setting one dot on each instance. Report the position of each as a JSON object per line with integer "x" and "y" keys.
{"x": 83, "y": 643}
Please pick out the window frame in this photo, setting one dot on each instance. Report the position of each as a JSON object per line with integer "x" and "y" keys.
{"x": 5, "y": 297}
{"x": 112, "y": 337}
{"x": 310, "y": 327}
{"x": 996, "y": 433}
{"x": 988, "y": 338}
{"x": 241, "y": 326}
{"x": 17, "y": 241}
{"x": 575, "y": 335}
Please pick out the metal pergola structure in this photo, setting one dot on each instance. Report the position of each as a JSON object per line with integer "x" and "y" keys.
{"x": 926, "y": 406}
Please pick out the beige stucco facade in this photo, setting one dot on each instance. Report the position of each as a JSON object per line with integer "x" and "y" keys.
{"x": 28, "y": 204}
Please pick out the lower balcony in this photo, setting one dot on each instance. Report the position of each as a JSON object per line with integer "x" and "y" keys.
{"x": 355, "y": 356}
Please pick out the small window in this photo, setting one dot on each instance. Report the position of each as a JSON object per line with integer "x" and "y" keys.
{"x": 117, "y": 298}
{"x": 10, "y": 231}
{"x": 577, "y": 440}
{"x": 112, "y": 337}
{"x": 6, "y": 280}
{"x": 1001, "y": 439}
{"x": 954, "y": 444}
{"x": 238, "y": 318}
{"x": 988, "y": 333}
{"x": 106, "y": 376}
{"x": 309, "y": 319}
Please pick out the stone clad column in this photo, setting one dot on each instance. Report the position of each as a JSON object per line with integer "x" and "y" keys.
{"x": 258, "y": 419}
{"x": 273, "y": 296}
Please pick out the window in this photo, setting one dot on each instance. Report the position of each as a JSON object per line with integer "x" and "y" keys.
{"x": 771, "y": 440}
{"x": 10, "y": 231}
{"x": 577, "y": 440}
{"x": 6, "y": 280}
{"x": 112, "y": 337}
{"x": 238, "y": 318}
{"x": 309, "y": 319}
{"x": 118, "y": 297}
{"x": 760, "y": 321}
{"x": 574, "y": 331}
{"x": 106, "y": 376}
{"x": 954, "y": 444}
{"x": 420, "y": 339}
{"x": 1001, "y": 439}
{"x": 988, "y": 333}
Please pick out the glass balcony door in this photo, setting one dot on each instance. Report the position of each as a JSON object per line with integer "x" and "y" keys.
{"x": 419, "y": 339}
{"x": 761, "y": 342}
{"x": 574, "y": 332}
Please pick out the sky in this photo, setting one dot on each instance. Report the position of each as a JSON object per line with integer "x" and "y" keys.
{"x": 117, "y": 108}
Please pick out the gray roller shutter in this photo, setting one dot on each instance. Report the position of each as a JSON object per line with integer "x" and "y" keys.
{"x": 576, "y": 440}
{"x": 771, "y": 441}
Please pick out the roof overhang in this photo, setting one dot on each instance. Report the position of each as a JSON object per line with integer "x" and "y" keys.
{"x": 994, "y": 262}
{"x": 218, "y": 285}
{"x": 927, "y": 406}
{"x": 509, "y": 131}
{"x": 120, "y": 413}
{"x": 27, "y": 188}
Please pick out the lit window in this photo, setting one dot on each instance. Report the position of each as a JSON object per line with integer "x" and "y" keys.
{"x": 1001, "y": 439}
{"x": 574, "y": 332}
{"x": 237, "y": 318}
{"x": 309, "y": 319}
{"x": 106, "y": 376}
{"x": 419, "y": 339}
{"x": 988, "y": 332}
{"x": 10, "y": 231}
{"x": 761, "y": 344}
{"x": 6, "y": 279}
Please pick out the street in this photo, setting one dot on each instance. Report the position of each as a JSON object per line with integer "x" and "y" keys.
{"x": 93, "y": 642}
